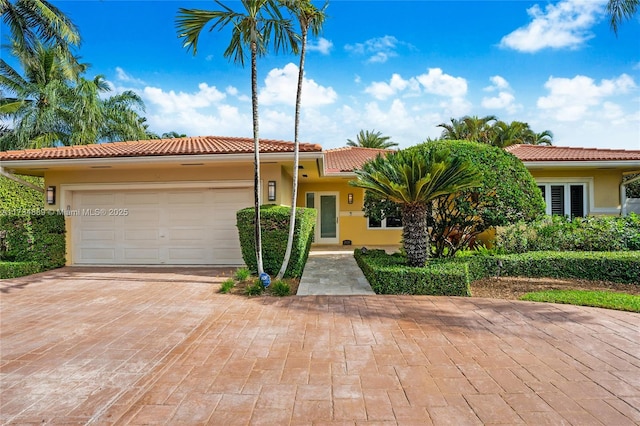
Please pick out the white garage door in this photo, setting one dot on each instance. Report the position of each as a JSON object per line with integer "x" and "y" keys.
{"x": 158, "y": 227}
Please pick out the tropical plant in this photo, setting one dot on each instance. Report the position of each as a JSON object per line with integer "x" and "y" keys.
{"x": 412, "y": 179}
{"x": 309, "y": 18}
{"x": 489, "y": 130}
{"x": 507, "y": 194}
{"x": 469, "y": 128}
{"x": 620, "y": 10}
{"x": 372, "y": 139}
{"x": 173, "y": 135}
{"x": 50, "y": 105}
{"x": 260, "y": 23}
{"x": 35, "y": 22}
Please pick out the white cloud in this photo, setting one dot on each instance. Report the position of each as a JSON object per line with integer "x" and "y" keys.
{"x": 378, "y": 49}
{"x": 321, "y": 45}
{"x": 438, "y": 83}
{"x": 504, "y": 99}
{"x": 281, "y": 85}
{"x": 121, "y": 75}
{"x": 171, "y": 102}
{"x": 499, "y": 83}
{"x": 570, "y": 99}
{"x": 565, "y": 24}
{"x": 382, "y": 90}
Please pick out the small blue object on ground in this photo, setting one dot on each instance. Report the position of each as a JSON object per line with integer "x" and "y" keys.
{"x": 266, "y": 279}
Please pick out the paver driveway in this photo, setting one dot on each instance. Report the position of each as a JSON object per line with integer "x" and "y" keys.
{"x": 153, "y": 346}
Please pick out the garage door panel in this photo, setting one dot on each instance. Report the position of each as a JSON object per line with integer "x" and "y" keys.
{"x": 141, "y": 198}
{"x": 98, "y": 255}
{"x": 135, "y": 255}
{"x": 142, "y": 216}
{"x": 100, "y": 235}
{"x": 182, "y": 227}
{"x": 141, "y": 235}
{"x": 192, "y": 234}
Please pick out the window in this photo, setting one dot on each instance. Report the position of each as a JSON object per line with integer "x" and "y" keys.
{"x": 565, "y": 199}
{"x": 390, "y": 222}
{"x": 311, "y": 200}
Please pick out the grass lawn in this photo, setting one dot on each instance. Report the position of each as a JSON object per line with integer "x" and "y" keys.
{"x": 599, "y": 299}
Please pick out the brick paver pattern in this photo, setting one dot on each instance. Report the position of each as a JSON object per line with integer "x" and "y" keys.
{"x": 161, "y": 346}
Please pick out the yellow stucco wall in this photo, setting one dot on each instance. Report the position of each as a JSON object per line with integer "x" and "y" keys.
{"x": 352, "y": 223}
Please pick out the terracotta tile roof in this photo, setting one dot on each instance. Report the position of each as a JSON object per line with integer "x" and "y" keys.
{"x": 561, "y": 153}
{"x": 200, "y": 145}
{"x": 346, "y": 159}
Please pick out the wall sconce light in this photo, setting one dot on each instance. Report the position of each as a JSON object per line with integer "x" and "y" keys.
{"x": 51, "y": 194}
{"x": 271, "y": 194}
{"x": 350, "y": 198}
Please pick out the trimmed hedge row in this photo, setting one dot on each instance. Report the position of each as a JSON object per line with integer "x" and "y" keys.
{"x": 388, "y": 274}
{"x": 18, "y": 269}
{"x": 274, "y": 221}
{"x": 620, "y": 267}
{"x": 37, "y": 238}
{"x": 606, "y": 233}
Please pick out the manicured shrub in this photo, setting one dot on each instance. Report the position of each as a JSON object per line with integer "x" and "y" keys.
{"x": 36, "y": 238}
{"x": 622, "y": 267}
{"x": 507, "y": 194}
{"x": 18, "y": 269}
{"x": 16, "y": 198}
{"x": 389, "y": 274}
{"x": 578, "y": 234}
{"x": 275, "y": 231}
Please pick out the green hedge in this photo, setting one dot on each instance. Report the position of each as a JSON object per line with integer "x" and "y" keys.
{"x": 388, "y": 274}
{"x": 37, "y": 238}
{"x": 621, "y": 267}
{"x": 18, "y": 269}
{"x": 275, "y": 232}
{"x": 606, "y": 233}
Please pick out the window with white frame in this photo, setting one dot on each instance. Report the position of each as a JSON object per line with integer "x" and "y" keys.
{"x": 565, "y": 199}
{"x": 390, "y": 222}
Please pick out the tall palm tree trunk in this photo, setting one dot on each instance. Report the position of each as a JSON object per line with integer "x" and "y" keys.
{"x": 296, "y": 158}
{"x": 415, "y": 234}
{"x": 256, "y": 154}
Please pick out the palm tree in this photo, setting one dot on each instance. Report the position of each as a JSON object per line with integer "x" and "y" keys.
{"x": 412, "y": 179}
{"x": 259, "y": 23}
{"x": 33, "y": 22}
{"x": 372, "y": 139}
{"x": 471, "y": 128}
{"x": 310, "y": 18}
{"x": 543, "y": 138}
{"x": 173, "y": 135}
{"x": 620, "y": 10}
{"x": 50, "y": 106}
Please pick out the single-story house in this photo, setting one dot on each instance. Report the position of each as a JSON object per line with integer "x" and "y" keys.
{"x": 173, "y": 201}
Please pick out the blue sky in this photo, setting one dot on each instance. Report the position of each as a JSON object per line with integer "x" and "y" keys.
{"x": 399, "y": 67}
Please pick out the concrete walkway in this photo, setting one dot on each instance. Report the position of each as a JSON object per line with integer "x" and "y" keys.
{"x": 332, "y": 272}
{"x": 161, "y": 346}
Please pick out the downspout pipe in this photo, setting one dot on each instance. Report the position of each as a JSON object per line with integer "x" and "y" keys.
{"x": 8, "y": 175}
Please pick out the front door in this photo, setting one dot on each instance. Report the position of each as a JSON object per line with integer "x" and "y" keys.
{"x": 327, "y": 232}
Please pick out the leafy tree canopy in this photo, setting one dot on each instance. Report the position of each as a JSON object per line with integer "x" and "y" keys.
{"x": 491, "y": 131}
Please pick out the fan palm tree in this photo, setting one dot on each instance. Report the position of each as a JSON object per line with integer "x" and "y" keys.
{"x": 310, "y": 18}
{"x": 255, "y": 27}
{"x": 412, "y": 179}
{"x": 620, "y": 10}
{"x": 371, "y": 139}
{"x": 34, "y": 22}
